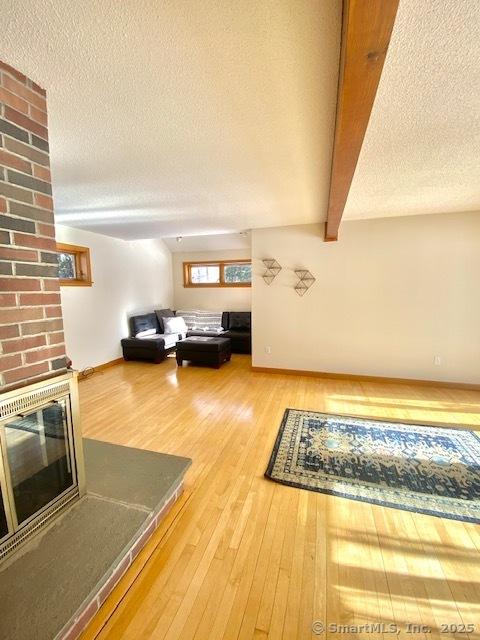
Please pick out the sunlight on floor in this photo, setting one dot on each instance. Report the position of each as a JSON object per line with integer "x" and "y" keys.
{"x": 451, "y": 413}
{"x": 428, "y": 580}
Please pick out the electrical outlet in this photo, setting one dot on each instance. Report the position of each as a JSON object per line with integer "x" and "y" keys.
{"x": 268, "y": 350}
{"x": 437, "y": 360}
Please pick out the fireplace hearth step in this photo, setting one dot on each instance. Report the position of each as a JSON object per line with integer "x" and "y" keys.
{"x": 60, "y": 579}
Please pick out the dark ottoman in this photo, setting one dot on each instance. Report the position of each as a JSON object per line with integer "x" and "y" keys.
{"x": 202, "y": 350}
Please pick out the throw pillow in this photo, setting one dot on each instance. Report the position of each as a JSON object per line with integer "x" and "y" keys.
{"x": 161, "y": 314}
{"x": 174, "y": 325}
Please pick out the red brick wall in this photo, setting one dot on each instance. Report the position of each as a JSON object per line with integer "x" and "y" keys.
{"x": 31, "y": 328}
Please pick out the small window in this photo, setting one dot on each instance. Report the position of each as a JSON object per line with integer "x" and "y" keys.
{"x": 74, "y": 268}
{"x": 205, "y": 274}
{"x": 238, "y": 273}
{"x": 66, "y": 266}
{"x": 225, "y": 273}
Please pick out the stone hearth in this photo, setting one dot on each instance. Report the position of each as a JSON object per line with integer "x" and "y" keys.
{"x": 56, "y": 585}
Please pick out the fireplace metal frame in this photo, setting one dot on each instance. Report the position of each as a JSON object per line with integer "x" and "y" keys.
{"x": 26, "y": 400}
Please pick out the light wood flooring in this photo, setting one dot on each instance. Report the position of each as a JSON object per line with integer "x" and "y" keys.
{"x": 242, "y": 557}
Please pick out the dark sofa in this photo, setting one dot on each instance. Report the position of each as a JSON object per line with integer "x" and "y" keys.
{"x": 155, "y": 347}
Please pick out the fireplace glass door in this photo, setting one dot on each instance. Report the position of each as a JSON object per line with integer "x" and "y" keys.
{"x": 38, "y": 453}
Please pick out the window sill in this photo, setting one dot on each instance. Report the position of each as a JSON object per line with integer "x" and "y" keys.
{"x": 76, "y": 283}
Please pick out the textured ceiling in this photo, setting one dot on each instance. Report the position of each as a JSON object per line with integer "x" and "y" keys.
{"x": 218, "y": 242}
{"x": 176, "y": 117}
{"x": 421, "y": 152}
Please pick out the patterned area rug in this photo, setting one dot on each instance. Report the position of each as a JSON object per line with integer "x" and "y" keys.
{"x": 418, "y": 468}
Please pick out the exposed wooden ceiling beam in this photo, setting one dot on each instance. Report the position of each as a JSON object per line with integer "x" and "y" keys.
{"x": 366, "y": 31}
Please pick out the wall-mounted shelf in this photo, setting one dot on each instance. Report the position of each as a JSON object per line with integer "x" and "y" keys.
{"x": 305, "y": 281}
{"x": 272, "y": 270}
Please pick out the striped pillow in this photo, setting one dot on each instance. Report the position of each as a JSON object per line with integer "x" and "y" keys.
{"x": 202, "y": 320}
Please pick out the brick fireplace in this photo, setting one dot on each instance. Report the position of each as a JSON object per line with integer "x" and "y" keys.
{"x": 31, "y": 329}
{"x": 41, "y": 456}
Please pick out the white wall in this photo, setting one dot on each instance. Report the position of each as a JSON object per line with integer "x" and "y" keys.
{"x": 129, "y": 277}
{"x": 390, "y": 295}
{"x": 214, "y": 298}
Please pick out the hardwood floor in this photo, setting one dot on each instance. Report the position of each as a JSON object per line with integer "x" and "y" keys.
{"x": 242, "y": 557}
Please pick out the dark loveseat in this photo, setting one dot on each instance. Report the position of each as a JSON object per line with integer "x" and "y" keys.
{"x": 156, "y": 346}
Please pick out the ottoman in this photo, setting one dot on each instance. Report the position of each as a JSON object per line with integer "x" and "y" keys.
{"x": 202, "y": 350}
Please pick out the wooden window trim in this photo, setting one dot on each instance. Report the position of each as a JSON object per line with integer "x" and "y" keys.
{"x": 187, "y": 274}
{"x": 82, "y": 265}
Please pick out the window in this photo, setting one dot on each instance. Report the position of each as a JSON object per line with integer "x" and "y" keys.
{"x": 74, "y": 265}
{"x": 205, "y": 274}
{"x": 237, "y": 273}
{"x": 225, "y": 273}
{"x": 66, "y": 266}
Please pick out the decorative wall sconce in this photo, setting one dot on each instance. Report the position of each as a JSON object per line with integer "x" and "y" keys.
{"x": 305, "y": 281}
{"x": 272, "y": 270}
